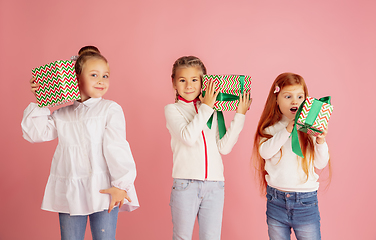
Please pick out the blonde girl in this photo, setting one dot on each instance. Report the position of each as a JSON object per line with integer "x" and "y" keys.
{"x": 92, "y": 171}
{"x": 290, "y": 182}
{"x": 198, "y": 181}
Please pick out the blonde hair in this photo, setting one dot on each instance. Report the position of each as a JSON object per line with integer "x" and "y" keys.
{"x": 271, "y": 115}
{"x": 86, "y": 53}
{"x": 185, "y": 62}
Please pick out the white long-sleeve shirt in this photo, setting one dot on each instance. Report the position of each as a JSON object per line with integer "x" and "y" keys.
{"x": 285, "y": 172}
{"x": 92, "y": 154}
{"x": 185, "y": 126}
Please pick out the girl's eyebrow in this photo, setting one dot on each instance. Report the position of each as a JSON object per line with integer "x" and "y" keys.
{"x": 291, "y": 92}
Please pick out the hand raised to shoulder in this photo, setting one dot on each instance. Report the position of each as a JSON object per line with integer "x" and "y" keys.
{"x": 210, "y": 95}
{"x": 245, "y": 102}
{"x": 34, "y": 86}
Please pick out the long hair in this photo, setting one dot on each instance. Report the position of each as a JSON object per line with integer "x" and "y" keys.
{"x": 272, "y": 115}
{"x": 185, "y": 62}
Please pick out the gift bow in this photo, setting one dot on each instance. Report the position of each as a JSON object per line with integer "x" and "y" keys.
{"x": 311, "y": 117}
{"x": 224, "y": 97}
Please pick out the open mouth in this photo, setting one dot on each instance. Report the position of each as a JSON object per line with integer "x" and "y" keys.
{"x": 294, "y": 110}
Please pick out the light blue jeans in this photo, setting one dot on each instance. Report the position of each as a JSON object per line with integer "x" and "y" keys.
{"x": 191, "y": 198}
{"x": 296, "y": 210}
{"x": 102, "y": 224}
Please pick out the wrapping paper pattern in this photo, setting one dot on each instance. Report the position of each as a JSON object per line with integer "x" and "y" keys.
{"x": 58, "y": 83}
{"x": 228, "y": 84}
{"x": 321, "y": 121}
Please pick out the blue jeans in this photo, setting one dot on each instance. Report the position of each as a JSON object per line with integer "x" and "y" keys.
{"x": 296, "y": 210}
{"x": 191, "y": 198}
{"x": 102, "y": 224}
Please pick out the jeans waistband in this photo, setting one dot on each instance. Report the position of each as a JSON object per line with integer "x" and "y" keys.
{"x": 289, "y": 195}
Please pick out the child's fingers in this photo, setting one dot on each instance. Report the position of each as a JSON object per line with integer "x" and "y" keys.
{"x": 104, "y": 191}
{"x": 128, "y": 198}
{"x": 112, "y": 205}
{"x": 209, "y": 88}
{"x": 201, "y": 97}
{"x": 249, "y": 102}
{"x": 216, "y": 94}
{"x": 212, "y": 87}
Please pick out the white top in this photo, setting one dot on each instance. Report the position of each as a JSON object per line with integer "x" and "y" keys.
{"x": 285, "y": 172}
{"x": 187, "y": 144}
{"x": 92, "y": 154}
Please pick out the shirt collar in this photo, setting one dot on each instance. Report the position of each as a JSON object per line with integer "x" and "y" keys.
{"x": 183, "y": 100}
{"x": 88, "y": 103}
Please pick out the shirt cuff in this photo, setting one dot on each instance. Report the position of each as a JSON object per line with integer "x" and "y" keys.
{"x": 122, "y": 186}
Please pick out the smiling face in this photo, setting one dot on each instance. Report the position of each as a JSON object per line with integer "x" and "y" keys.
{"x": 289, "y": 100}
{"x": 188, "y": 82}
{"x": 94, "y": 79}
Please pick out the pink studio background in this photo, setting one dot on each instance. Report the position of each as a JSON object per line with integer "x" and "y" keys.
{"x": 330, "y": 43}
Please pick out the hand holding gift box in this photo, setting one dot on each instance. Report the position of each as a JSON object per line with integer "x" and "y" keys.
{"x": 312, "y": 117}
{"x": 229, "y": 87}
{"x": 58, "y": 83}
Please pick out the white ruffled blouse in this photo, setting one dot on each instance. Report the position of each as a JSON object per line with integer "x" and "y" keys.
{"x": 92, "y": 154}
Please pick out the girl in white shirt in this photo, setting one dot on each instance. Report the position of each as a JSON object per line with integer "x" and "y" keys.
{"x": 92, "y": 171}
{"x": 198, "y": 186}
{"x": 290, "y": 182}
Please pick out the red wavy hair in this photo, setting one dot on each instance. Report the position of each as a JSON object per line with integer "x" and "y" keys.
{"x": 272, "y": 115}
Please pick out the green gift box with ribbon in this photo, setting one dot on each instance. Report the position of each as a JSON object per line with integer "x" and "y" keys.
{"x": 229, "y": 87}
{"x": 312, "y": 117}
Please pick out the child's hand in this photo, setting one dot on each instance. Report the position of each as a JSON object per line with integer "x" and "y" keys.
{"x": 290, "y": 126}
{"x": 320, "y": 139}
{"x": 210, "y": 95}
{"x": 34, "y": 86}
{"x": 117, "y": 197}
{"x": 244, "y": 103}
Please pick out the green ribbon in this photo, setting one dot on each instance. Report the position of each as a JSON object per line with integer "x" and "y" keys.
{"x": 311, "y": 117}
{"x": 224, "y": 97}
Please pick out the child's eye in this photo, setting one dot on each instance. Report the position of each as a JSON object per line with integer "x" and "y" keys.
{"x": 194, "y": 80}
{"x": 105, "y": 76}
{"x": 287, "y": 96}
{"x": 300, "y": 97}
{"x": 94, "y": 75}
{"x": 181, "y": 80}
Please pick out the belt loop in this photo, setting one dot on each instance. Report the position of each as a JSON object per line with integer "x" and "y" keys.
{"x": 297, "y": 197}
{"x": 275, "y": 193}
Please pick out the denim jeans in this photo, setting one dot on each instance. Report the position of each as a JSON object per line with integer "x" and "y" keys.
{"x": 296, "y": 210}
{"x": 191, "y": 198}
{"x": 102, "y": 224}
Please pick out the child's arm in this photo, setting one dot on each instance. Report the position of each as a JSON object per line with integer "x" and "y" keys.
{"x": 228, "y": 141}
{"x": 37, "y": 123}
{"x": 119, "y": 158}
{"x": 187, "y": 132}
{"x": 271, "y": 147}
